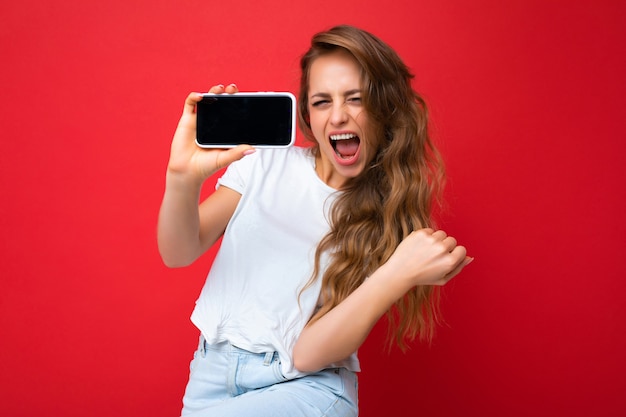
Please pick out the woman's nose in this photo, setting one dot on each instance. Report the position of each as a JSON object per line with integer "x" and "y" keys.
{"x": 338, "y": 115}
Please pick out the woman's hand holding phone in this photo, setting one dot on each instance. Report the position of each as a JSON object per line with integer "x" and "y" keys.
{"x": 189, "y": 160}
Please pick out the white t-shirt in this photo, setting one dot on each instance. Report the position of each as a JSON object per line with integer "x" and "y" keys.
{"x": 250, "y": 297}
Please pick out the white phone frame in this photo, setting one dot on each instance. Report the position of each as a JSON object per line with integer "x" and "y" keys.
{"x": 257, "y": 94}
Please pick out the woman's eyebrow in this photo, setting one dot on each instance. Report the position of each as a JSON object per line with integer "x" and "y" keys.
{"x": 345, "y": 94}
{"x": 321, "y": 95}
{"x": 351, "y": 92}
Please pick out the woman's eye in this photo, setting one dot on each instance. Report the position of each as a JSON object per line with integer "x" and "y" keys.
{"x": 355, "y": 99}
{"x": 319, "y": 103}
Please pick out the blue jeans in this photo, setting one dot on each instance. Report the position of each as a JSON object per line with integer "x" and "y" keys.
{"x": 226, "y": 381}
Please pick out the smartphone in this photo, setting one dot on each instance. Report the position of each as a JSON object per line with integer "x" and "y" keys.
{"x": 263, "y": 120}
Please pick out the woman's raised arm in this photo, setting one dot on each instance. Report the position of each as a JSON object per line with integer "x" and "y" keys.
{"x": 186, "y": 228}
{"x": 424, "y": 257}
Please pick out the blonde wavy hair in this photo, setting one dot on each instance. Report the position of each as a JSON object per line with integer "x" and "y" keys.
{"x": 395, "y": 193}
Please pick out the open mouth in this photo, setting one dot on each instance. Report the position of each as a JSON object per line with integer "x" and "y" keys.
{"x": 345, "y": 145}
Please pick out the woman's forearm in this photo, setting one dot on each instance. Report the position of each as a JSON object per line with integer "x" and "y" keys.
{"x": 178, "y": 231}
{"x": 341, "y": 331}
{"x": 186, "y": 229}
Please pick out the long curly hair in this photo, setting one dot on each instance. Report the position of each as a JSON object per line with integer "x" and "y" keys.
{"x": 395, "y": 193}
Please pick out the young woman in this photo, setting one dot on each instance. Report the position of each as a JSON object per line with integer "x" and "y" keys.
{"x": 318, "y": 242}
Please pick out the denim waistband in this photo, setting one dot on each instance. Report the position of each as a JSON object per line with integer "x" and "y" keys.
{"x": 227, "y": 347}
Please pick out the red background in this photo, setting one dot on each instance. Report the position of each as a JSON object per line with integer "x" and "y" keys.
{"x": 527, "y": 99}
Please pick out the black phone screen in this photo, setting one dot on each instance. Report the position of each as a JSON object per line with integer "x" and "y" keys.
{"x": 226, "y": 120}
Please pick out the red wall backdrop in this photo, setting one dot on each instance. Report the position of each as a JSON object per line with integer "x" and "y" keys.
{"x": 527, "y": 100}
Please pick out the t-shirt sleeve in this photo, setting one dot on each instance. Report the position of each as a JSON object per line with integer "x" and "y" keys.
{"x": 237, "y": 174}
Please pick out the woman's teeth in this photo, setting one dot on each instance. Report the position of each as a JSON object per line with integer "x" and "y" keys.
{"x": 343, "y": 136}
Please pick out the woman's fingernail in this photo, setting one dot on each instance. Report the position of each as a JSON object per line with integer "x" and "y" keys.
{"x": 249, "y": 152}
